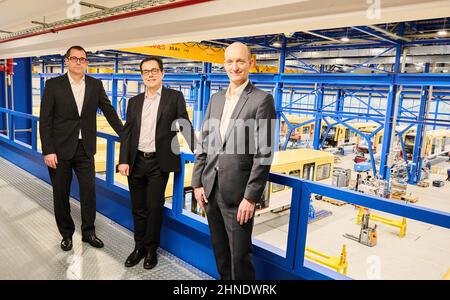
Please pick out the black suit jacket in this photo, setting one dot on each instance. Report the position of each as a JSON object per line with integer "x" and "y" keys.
{"x": 60, "y": 122}
{"x": 171, "y": 107}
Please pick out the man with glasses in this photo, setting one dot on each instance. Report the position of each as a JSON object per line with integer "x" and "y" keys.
{"x": 148, "y": 153}
{"x": 68, "y": 130}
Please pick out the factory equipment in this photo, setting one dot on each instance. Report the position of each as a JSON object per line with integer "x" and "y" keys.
{"x": 367, "y": 235}
{"x": 368, "y": 184}
{"x": 341, "y": 177}
{"x": 315, "y": 215}
{"x": 438, "y": 183}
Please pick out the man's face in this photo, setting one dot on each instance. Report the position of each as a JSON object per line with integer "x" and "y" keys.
{"x": 151, "y": 74}
{"x": 77, "y": 62}
{"x": 237, "y": 63}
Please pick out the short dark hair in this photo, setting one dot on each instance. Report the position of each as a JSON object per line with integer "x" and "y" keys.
{"x": 76, "y": 48}
{"x": 155, "y": 58}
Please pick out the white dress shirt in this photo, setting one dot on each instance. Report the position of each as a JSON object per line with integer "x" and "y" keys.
{"x": 148, "y": 122}
{"x": 78, "y": 90}
{"x": 231, "y": 99}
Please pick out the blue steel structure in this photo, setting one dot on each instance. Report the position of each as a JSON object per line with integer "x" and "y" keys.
{"x": 185, "y": 234}
{"x": 330, "y": 97}
{"x": 325, "y": 96}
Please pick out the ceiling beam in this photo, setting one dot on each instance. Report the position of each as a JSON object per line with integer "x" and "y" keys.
{"x": 373, "y": 33}
{"x": 321, "y": 36}
{"x": 393, "y": 35}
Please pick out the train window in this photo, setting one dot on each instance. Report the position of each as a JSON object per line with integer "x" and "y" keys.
{"x": 347, "y": 134}
{"x": 308, "y": 171}
{"x": 323, "y": 172}
{"x": 295, "y": 173}
{"x": 409, "y": 140}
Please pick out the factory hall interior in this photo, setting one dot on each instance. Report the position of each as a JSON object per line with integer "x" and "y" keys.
{"x": 359, "y": 182}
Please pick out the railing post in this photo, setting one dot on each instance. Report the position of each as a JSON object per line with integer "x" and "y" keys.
{"x": 10, "y": 126}
{"x": 110, "y": 170}
{"x": 178, "y": 190}
{"x": 34, "y": 135}
{"x": 305, "y": 197}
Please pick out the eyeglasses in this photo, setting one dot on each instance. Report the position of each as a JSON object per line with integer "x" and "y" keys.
{"x": 75, "y": 59}
{"x": 153, "y": 71}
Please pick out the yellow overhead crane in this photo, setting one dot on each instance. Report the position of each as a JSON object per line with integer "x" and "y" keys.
{"x": 190, "y": 51}
{"x": 196, "y": 52}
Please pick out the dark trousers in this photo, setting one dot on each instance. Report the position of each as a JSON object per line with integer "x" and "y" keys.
{"x": 147, "y": 184}
{"x": 61, "y": 178}
{"x": 232, "y": 242}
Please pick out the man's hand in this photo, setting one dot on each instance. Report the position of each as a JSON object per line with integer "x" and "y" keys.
{"x": 51, "y": 160}
{"x": 199, "y": 194}
{"x": 245, "y": 211}
{"x": 124, "y": 169}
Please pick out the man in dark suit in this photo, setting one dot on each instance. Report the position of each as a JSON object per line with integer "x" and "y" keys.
{"x": 148, "y": 153}
{"x": 68, "y": 131}
{"x": 233, "y": 164}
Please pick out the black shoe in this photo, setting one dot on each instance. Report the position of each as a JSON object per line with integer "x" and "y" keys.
{"x": 151, "y": 260}
{"x": 66, "y": 244}
{"x": 135, "y": 257}
{"x": 93, "y": 241}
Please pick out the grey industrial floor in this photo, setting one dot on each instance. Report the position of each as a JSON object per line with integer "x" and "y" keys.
{"x": 29, "y": 239}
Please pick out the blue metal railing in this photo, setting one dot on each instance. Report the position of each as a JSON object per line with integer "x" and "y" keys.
{"x": 10, "y": 132}
{"x": 292, "y": 259}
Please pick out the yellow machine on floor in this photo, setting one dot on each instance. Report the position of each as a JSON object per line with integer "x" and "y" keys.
{"x": 337, "y": 263}
{"x": 368, "y": 235}
{"x": 395, "y": 223}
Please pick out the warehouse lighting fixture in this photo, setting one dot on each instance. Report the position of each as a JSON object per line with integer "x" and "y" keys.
{"x": 345, "y": 38}
{"x": 442, "y": 32}
{"x": 277, "y": 43}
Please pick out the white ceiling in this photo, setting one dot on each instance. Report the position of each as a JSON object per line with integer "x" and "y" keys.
{"x": 18, "y": 17}
{"x": 204, "y": 21}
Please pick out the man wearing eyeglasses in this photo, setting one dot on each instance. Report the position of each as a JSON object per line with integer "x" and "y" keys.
{"x": 148, "y": 153}
{"x": 68, "y": 131}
